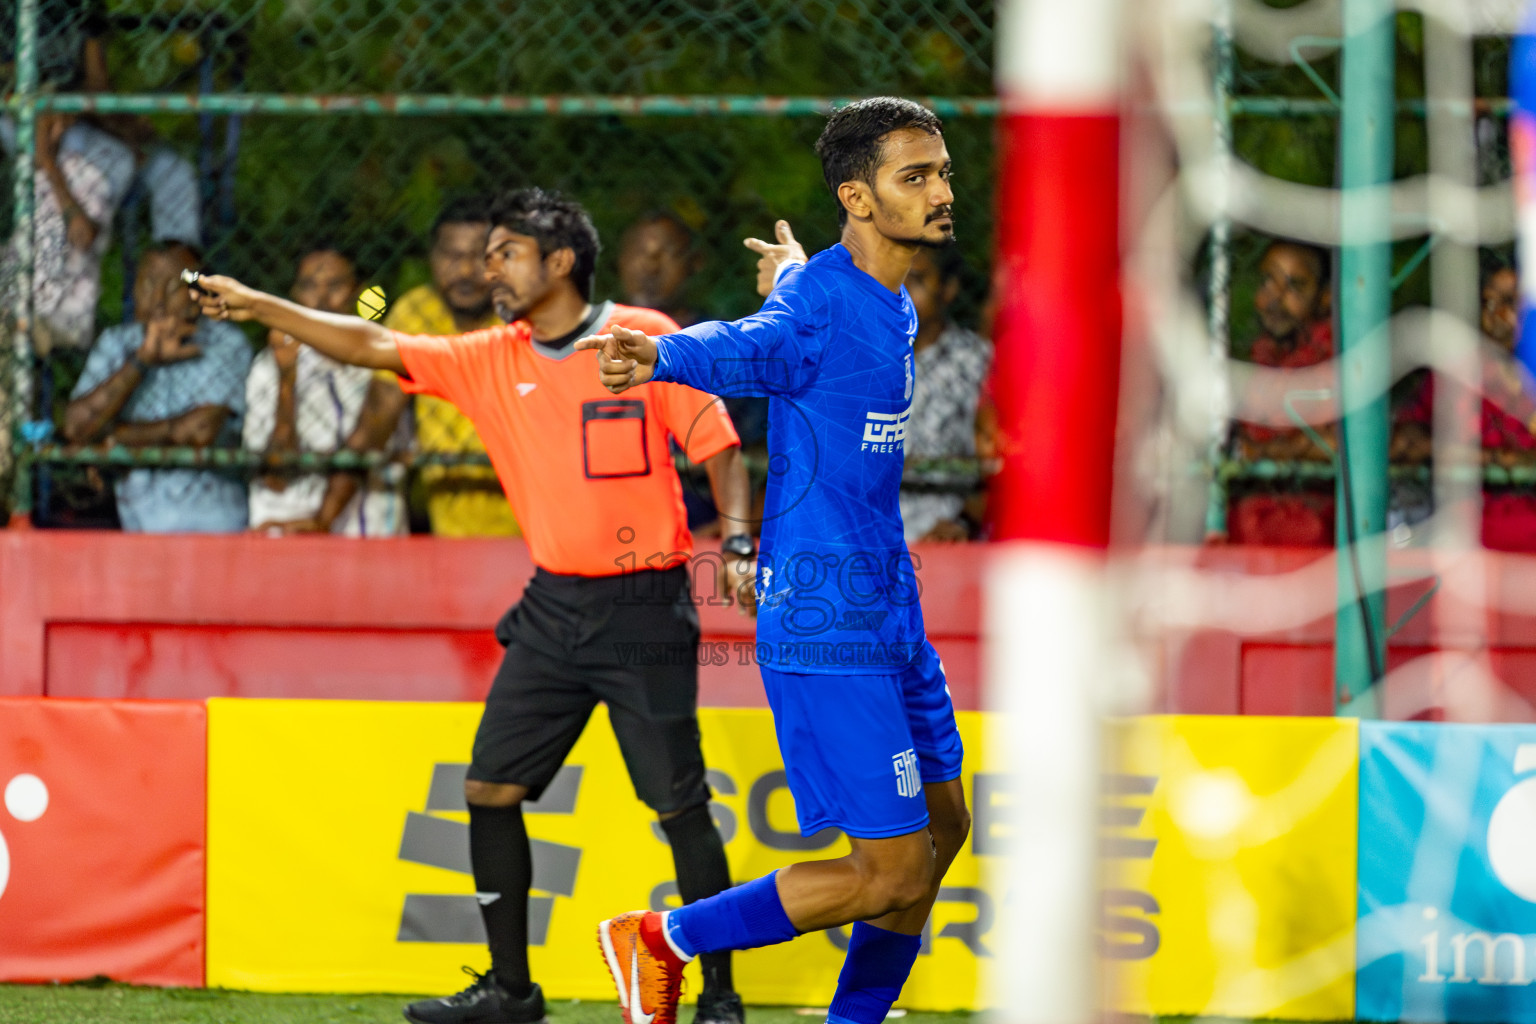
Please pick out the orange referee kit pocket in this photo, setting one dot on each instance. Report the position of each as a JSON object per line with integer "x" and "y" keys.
{"x": 613, "y": 441}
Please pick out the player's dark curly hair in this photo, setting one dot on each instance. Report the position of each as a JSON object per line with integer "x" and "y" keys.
{"x": 850, "y": 145}
{"x": 555, "y": 222}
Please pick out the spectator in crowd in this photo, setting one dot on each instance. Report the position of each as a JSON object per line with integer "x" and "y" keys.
{"x": 80, "y": 177}
{"x": 1294, "y": 303}
{"x": 169, "y": 378}
{"x": 462, "y": 501}
{"x": 950, "y": 363}
{"x": 299, "y": 400}
{"x": 72, "y": 57}
{"x": 1508, "y": 413}
{"x": 658, "y": 257}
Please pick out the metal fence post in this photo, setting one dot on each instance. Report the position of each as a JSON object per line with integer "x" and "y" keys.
{"x": 23, "y": 104}
{"x": 1364, "y": 293}
{"x": 1219, "y": 287}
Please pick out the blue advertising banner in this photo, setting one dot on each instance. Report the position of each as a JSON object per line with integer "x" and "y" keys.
{"x": 1447, "y": 873}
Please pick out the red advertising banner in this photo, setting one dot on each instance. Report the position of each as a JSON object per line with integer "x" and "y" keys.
{"x": 102, "y": 840}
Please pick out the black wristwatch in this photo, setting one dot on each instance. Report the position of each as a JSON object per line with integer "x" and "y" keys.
{"x": 740, "y": 545}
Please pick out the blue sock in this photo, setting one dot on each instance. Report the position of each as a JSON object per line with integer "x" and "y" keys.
{"x": 876, "y": 967}
{"x": 745, "y": 917}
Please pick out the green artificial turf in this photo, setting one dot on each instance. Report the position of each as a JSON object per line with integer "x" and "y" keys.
{"x": 124, "y": 1004}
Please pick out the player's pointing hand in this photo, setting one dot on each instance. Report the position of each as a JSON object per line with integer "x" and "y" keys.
{"x": 624, "y": 357}
{"x": 771, "y": 255}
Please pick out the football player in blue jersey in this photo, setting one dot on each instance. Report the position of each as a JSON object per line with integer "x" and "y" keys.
{"x": 864, "y": 719}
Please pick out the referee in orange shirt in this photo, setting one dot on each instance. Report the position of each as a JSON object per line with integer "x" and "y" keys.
{"x": 592, "y": 481}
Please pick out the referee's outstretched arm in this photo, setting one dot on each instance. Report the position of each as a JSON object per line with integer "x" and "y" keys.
{"x": 346, "y": 339}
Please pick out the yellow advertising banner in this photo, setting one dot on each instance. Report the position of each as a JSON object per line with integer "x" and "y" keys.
{"x": 338, "y": 856}
{"x": 1230, "y": 851}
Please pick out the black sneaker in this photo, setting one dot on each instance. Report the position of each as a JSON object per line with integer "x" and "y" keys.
{"x": 484, "y": 1002}
{"x": 719, "y": 1006}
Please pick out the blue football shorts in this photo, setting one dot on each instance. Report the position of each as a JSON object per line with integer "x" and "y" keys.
{"x": 859, "y": 748}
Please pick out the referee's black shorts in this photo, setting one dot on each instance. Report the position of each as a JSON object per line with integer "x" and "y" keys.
{"x": 630, "y": 641}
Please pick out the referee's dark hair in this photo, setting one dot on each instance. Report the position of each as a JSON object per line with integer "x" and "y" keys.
{"x": 474, "y": 209}
{"x": 555, "y": 222}
{"x": 851, "y": 147}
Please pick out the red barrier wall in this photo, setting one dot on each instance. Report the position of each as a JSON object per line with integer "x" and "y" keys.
{"x": 101, "y": 840}
{"x": 86, "y": 614}
{"x": 1275, "y": 654}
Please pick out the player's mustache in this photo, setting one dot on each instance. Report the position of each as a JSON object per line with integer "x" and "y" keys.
{"x": 943, "y": 211}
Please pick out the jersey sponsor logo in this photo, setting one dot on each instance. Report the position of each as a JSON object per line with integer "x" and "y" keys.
{"x": 885, "y": 431}
{"x": 909, "y": 782}
{"x": 523, "y": 387}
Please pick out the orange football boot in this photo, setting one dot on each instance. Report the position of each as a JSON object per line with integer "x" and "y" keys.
{"x": 648, "y": 974}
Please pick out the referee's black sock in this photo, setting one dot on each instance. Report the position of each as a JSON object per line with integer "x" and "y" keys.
{"x": 503, "y": 865}
{"x": 699, "y": 856}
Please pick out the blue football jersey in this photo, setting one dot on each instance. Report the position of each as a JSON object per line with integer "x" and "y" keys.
{"x": 832, "y": 349}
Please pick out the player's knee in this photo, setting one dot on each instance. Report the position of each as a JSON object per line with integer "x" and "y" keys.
{"x": 905, "y": 889}
{"x": 898, "y": 886}
{"x": 953, "y": 832}
{"x": 493, "y": 794}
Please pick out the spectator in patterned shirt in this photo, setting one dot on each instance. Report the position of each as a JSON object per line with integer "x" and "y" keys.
{"x": 1294, "y": 305}
{"x": 85, "y": 168}
{"x": 169, "y": 378}
{"x": 300, "y": 400}
{"x": 951, "y": 363}
{"x": 81, "y": 175}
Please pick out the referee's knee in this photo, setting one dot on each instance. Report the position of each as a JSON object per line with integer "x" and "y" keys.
{"x": 493, "y": 794}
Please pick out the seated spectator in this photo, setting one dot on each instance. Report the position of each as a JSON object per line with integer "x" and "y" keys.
{"x": 462, "y": 501}
{"x": 170, "y": 378}
{"x": 1294, "y": 303}
{"x": 299, "y": 400}
{"x": 1508, "y": 412}
{"x": 950, "y": 363}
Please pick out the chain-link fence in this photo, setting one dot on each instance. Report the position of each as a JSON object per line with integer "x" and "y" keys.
{"x": 1282, "y": 102}
{"x": 260, "y": 132}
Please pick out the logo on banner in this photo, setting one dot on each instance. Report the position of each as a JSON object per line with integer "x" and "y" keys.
{"x": 1127, "y": 930}
{"x": 26, "y": 798}
{"x": 1452, "y": 930}
{"x": 444, "y": 843}
{"x": 1496, "y": 958}
{"x": 1512, "y": 830}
